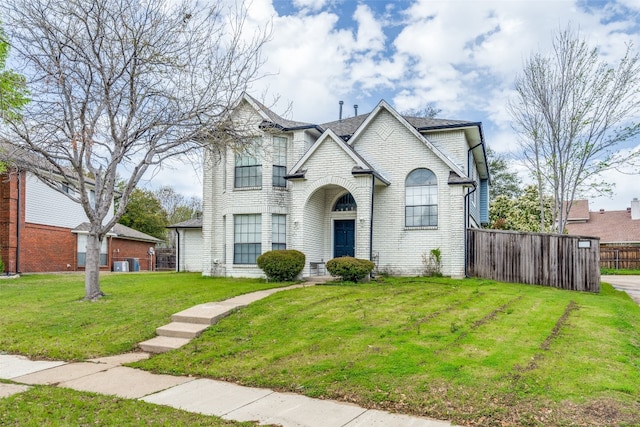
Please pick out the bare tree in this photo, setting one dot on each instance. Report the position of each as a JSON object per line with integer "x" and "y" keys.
{"x": 119, "y": 86}
{"x": 178, "y": 206}
{"x": 429, "y": 111}
{"x": 572, "y": 111}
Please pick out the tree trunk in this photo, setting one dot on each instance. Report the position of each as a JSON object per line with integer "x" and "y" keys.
{"x": 92, "y": 268}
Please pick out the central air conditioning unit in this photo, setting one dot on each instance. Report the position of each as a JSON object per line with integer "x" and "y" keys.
{"x": 134, "y": 264}
{"x": 121, "y": 266}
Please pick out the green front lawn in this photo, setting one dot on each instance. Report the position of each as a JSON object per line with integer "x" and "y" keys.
{"x": 478, "y": 352}
{"x": 44, "y": 316}
{"x": 473, "y": 351}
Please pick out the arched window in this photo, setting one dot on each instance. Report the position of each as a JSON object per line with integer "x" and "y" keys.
{"x": 345, "y": 203}
{"x": 421, "y": 199}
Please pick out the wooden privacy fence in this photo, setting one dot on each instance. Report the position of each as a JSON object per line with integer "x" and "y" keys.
{"x": 560, "y": 261}
{"x": 165, "y": 259}
{"x": 620, "y": 257}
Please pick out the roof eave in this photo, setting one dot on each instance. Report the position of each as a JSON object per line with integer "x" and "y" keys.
{"x": 451, "y": 126}
{"x": 375, "y": 174}
{"x": 296, "y": 175}
{"x": 267, "y": 125}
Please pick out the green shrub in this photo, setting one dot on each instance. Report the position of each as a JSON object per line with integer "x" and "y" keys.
{"x": 281, "y": 265}
{"x": 350, "y": 269}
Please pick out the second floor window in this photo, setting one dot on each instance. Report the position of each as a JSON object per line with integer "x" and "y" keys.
{"x": 279, "y": 161}
{"x": 248, "y": 170}
{"x": 421, "y": 199}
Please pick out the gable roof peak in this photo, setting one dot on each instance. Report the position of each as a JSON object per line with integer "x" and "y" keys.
{"x": 270, "y": 119}
{"x": 346, "y": 127}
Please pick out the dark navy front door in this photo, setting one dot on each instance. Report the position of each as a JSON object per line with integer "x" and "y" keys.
{"x": 344, "y": 237}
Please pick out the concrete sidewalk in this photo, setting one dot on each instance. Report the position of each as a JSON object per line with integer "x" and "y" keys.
{"x": 628, "y": 284}
{"x": 205, "y": 396}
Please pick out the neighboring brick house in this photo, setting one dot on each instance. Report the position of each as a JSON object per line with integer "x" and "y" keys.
{"x": 614, "y": 228}
{"x": 41, "y": 230}
{"x": 377, "y": 186}
{"x": 188, "y": 244}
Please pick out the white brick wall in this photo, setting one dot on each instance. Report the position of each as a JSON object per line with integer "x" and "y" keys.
{"x": 394, "y": 150}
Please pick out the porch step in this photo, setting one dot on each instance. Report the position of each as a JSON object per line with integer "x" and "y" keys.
{"x": 181, "y": 330}
{"x": 190, "y": 323}
{"x": 162, "y": 344}
{"x": 204, "y": 314}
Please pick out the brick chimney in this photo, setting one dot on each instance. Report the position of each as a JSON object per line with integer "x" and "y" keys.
{"x": 635, "y": 208}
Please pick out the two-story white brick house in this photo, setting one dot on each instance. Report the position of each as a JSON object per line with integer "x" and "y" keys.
{"x": 377, "y": 186}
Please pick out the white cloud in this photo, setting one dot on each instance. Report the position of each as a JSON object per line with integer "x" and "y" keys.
{"x": 626, "y": 189}
{"x": 370, "y": 35}
{"x": 311, "y": 5}
{"x": 184, "y": 175}
{"x": 633, "y": 4}
{"x": 461, "y": 55}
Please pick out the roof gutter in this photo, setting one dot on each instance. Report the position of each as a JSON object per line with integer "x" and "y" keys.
{"x": 371, "y": 172}
{"x": 271, "y": 125}
{"x": 453, "y": 126}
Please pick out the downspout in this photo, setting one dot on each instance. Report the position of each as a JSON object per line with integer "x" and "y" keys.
{"x": 178, "y": 251}
{"x": 373, "y": 187}
{"x": 19, "y": 214}
{"x": 467, "y": 209}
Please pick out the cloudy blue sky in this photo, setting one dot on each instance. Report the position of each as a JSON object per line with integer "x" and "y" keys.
{"x": 459, "y": 55}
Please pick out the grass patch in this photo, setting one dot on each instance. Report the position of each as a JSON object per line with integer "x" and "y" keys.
{"x": 477, "y": 352}
{"x": 44, "y": 316}
{"x": 474, "y": 351}
{"x": 614, "y": 272}
{"x": 51, "y": 406}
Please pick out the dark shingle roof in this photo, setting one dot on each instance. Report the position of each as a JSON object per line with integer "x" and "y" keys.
{"x": 347, "y": 127}
{"x": 123, "y": 232}
{"x": 275, "y": 119}
{"x": 455, "y": 179}
{"x": 428, "y": 123}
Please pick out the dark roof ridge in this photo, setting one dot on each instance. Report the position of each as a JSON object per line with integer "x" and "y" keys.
{"x": 276, "y": 119}
{"x": 346, "y": 127}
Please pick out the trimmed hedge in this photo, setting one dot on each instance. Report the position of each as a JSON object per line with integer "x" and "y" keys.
{"x": 350, "y": 269}
{"x": 281, "y": 265}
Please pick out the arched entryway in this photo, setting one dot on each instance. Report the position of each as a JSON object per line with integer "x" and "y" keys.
{"x": 329, "y": 224}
